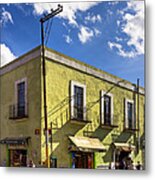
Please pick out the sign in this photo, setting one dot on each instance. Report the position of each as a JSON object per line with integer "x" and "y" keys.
{"x": 49, "y": 131}
{"x": 37, "y": 131}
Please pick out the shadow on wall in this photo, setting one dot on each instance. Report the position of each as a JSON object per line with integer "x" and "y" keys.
{"x": 101, "y": 133}
{"x": 123, "y": 137}
{"x": 108, "y": 155}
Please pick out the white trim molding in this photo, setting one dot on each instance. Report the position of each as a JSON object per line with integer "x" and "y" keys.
{"x": 72, "y": 85}
{"x": 126, "y": 113}
{"x": 20, "y": 61}
{"x": 102, "y": 94}
{"x": 16, "y": 93}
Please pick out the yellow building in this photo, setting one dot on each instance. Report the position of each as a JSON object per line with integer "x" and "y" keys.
{"x": 95, "y": 119}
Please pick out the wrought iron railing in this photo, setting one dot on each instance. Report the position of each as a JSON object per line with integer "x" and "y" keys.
{"x": 17, "y": 111}
{"x": 110, "y": 120}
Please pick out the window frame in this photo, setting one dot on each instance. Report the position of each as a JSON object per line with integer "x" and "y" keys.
{"x": 16, "y": 94}
{"x": 126, "y": 125}
{"x": 102, "y": 93}
{"x": 83, "y": 86}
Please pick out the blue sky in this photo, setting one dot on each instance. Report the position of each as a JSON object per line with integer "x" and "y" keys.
{"x": 107, "y": 35}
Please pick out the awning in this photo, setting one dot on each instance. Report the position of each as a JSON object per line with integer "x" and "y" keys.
{"x": 15, "y": 140}
{"x": 124, "y": 146}
{"x": 86, "y": 144}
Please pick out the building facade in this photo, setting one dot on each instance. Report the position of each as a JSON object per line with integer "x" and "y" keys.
{"x": 95, "y": 119}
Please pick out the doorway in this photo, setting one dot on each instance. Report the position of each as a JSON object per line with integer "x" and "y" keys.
{"x": 17, "y": 158}
{"x": 83, "y": 160}
{"x": 123, "y": 160}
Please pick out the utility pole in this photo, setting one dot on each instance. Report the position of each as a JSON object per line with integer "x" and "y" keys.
{"x": 42, "y": 20}
{"x": 138, "y": 120}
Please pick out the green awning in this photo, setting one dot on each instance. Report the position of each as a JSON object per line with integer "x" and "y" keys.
{"x": 15, "y": 140}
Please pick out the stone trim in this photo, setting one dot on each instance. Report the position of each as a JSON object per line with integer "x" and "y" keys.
{"x": 126, "y": 113}
{"x": 75, "y": 83}
{"x": 102, "y": 106}
{"x": 16, "y": 97}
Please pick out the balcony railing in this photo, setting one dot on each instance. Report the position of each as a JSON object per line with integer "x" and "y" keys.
{"x": 109, "y": 121}
{"x": 17, "y": 111}
{"x": 80, "y": 114}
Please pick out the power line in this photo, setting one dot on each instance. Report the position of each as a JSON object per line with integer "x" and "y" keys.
{"x": 47, "y": 34}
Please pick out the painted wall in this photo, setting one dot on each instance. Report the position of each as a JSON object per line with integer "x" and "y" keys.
{"x": 58, "y": 108}
{"x": 26, "y": 126}
{"x": 58, "y": 93}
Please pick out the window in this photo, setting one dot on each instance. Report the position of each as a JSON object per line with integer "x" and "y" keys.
{"x": 106, "y": 108}
{"x": 19, "y": 108}
{"x": 78, "y": 100}
{"x": 21, "y": 99}
{"x": 129, "y": 114}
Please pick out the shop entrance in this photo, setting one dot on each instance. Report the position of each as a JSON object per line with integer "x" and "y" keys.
{"x": 83, "y": 160}
{"x": 17, "y": 158}
{"x": 123, "y": 160}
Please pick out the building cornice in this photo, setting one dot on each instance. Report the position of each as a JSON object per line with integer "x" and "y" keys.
{"x": 59, "y": 58}
{"x": 71, "y": 63}
{"x": 21, "y": 60}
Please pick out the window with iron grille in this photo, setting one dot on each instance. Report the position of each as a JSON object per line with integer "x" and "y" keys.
{"x": 78, "y": 102}
{"x": 130, "y": 114}
{"x": 21, "y": 99}
{"x": 19, "y": 109}
{"x": 106, "y": 105}
{"x": 107, "y": 110}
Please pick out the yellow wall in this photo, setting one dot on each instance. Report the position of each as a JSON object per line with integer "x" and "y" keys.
{"x": 58, "y": 108}
{"x": 58, "y": 92}
{"x": 25, "y": 126}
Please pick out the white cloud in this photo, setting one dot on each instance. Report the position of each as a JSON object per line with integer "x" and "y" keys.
{"x": 132, "y": 24}
{"x": 109, "y": 12}
{"x": 85, "y": 34}
{"x": 93, "y": 18}
{"x": 120, "y": 51}
{"x": 118, "y": 39}
{"x": 113, "y": 44}
{"x": 6, "y": 55}
{"x": 6, "y": 17}
{"x": 67, "y": 39}
{"x": 120, "y": 12}
{"x": 69, "y": 9}
{"x": 97, "y": 32}
{"x": 118, "y": 22}
{"x": 113, "y": 2}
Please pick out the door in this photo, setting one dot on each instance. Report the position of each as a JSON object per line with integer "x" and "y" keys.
{"x": 18, "y": 158}
{"x": 84, "y": 160}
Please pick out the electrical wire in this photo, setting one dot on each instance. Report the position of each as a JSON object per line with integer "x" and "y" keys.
{"x": 47, "y": 35}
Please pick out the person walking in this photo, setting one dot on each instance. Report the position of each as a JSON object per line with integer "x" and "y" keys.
{"x": 138, "y": 167}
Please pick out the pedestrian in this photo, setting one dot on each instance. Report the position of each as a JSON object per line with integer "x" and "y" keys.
{"x": 31, "y": 164}
{"x": 39, "y": 165}
{"x": 4, "y": 163}
{"x": 138, "y": 167}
